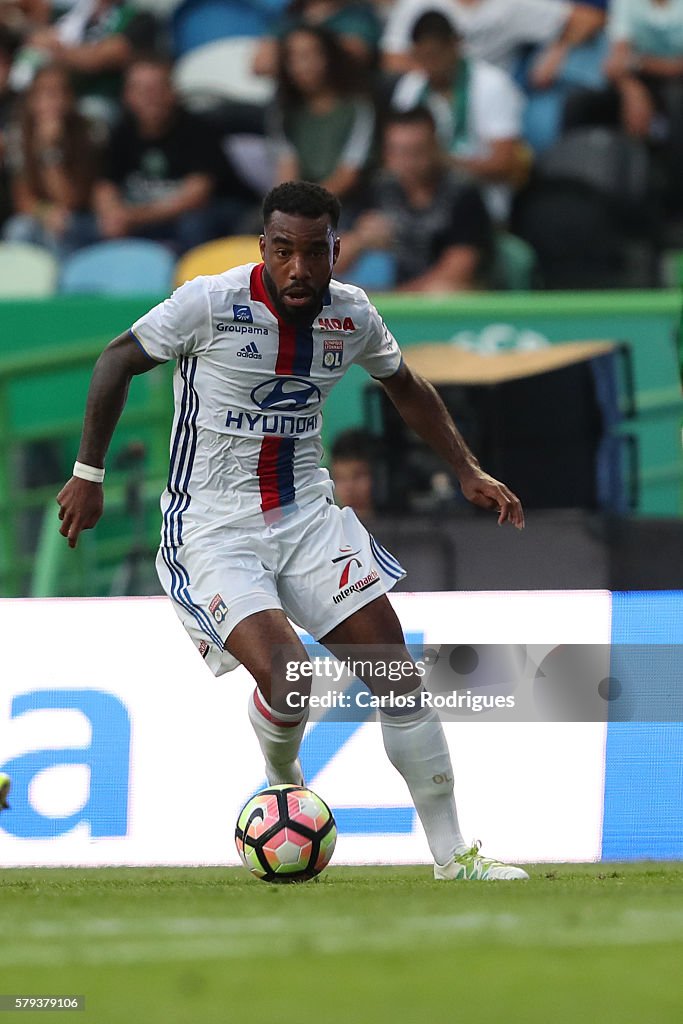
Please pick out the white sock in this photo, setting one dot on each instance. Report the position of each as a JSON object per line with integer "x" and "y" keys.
{"x": 279, "y": 737}
{"x": 416, "y": 746}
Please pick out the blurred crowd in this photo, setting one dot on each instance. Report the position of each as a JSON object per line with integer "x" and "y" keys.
{"x": 445, "y": 126}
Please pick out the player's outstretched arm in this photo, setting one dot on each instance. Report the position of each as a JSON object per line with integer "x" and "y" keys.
{"x": 422, "y": 409}
{"x": 81, "y": 501}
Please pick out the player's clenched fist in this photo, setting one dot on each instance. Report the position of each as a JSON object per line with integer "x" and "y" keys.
{"x": 81, "y": 503}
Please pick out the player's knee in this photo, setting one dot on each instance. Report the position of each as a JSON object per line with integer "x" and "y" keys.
{"x": 286, "y": 686}
{"x": 291, "y": 686}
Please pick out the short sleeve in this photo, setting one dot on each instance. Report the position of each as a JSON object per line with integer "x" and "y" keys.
{"x": 620, "y": 21}
{"x": 176, "y": 327}
{"x": 468, "y": 223}
{"x": 538, "y": 21}
{"x": 381, "y": 356}
{"x": 497, "y": 103}
{"x": 356, "y": 152}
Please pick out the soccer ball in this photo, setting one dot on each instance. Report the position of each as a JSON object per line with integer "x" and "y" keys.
{"x": 285, "y": 834}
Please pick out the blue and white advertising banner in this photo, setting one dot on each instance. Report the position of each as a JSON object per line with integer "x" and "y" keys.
{"x": 123, "y": 749}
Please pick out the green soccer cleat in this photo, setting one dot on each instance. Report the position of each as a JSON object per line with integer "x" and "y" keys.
{"x": 4, "y": 791}
{"x": 470, "y": 866}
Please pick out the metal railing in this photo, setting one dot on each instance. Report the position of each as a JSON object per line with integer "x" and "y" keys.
{"x": 28, "y": 551}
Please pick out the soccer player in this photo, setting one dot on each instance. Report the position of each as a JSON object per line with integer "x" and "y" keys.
{"x": 250, "y": 535}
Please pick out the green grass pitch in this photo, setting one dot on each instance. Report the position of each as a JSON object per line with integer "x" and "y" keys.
{"x": 596, "y": 943}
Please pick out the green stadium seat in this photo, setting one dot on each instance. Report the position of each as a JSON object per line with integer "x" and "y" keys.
{"x": 514, "y": 263}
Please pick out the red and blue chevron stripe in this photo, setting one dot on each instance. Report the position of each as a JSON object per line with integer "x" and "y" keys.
{"x": 275, "y": 472}
{"x": 275, "y": 469}
{"x": 180, "y": 470}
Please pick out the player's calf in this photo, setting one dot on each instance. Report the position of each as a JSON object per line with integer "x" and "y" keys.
{"x": 279, "y": 737}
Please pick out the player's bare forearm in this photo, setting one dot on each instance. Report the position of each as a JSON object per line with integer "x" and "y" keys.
{"x": 583, "y": 23}
{"x": 121, "y": 360}
{"x": 455, "y": 271}
{"x": 81, "y": 502}
{"x": 661, "y": 67}
{"x": 192, "y": 194}
{"x": 422, "y": 409}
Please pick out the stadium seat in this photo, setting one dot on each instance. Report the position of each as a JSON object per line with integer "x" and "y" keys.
{"x": 129, "y": 266}
{"x": 615, "y": 164}
{"x": 26, "y": 271}
{"x": 198, "y": 22}
{"x": 217, "y": 256}
{"x": 618, "y": 170}
{"x": 375, "y": 271}
{"x": 514, "y": 263}
{"x": 574, "y": 233}
{"x": 221, "y": 70}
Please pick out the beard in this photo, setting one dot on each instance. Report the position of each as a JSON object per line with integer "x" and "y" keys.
{"x": 300, "y": 315}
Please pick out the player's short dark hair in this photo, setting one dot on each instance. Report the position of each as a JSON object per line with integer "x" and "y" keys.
{"x": 302, "y": 199}
{"x": 434, "y": 25}
{"x": 416, "y": 115}
{"x": 355, "y": 443}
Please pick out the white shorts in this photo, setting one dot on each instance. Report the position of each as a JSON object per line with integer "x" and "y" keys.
{"x": 317, "y": 563}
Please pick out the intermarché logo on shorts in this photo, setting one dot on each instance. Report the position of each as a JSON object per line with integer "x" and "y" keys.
{"x": 367, "y": 581}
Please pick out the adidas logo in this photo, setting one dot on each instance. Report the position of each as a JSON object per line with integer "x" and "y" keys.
{"x": 249, "y": 351}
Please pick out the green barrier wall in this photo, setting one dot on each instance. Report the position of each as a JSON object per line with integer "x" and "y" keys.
{"x": 47, "y": 349}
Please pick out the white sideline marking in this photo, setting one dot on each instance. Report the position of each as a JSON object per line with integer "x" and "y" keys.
{"x": 125, "y": 941}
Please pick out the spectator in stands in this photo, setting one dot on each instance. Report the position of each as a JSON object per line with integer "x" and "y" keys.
{"x": 496, "y": 31}
{"x": 430, "y": 219}
{"x": 323, "y": 128}
{"x": 6, "y": 102}
{"x": 161, "y": 167}
{"x": 95, "y": 40}
{"x": 476, "y": 106}
{"x": 551, "y": 46}
{"x": 53, "y": 161}
{"x": 21, "y": 17}
{"x": 351, "y": 468}
{"x": 354, "y": 22}
{"x": 645, "y": 72}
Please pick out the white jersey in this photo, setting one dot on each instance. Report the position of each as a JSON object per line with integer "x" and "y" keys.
{"x": 249, "y": 389}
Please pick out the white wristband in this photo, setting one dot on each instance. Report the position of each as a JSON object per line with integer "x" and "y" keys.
{"x": 91, "y": 473}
